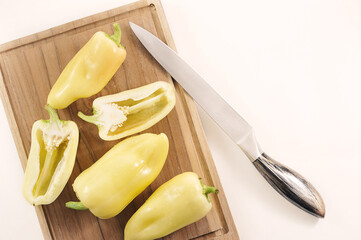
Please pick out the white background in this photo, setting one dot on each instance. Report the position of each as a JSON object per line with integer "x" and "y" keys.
{"x": 291, "y": 68}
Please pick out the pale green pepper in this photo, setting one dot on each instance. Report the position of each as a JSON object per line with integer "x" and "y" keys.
{"x": 177, "y": 203}
{"x": 111, "y": 183}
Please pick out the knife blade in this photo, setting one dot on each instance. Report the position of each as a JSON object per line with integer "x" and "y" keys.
{"x": 286, "y": 181}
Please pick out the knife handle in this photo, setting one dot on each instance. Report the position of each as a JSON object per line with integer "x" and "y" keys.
{"x": 291, "y": 185}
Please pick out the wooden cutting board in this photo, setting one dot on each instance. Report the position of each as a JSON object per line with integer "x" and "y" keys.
{"x": 30, "y": 66}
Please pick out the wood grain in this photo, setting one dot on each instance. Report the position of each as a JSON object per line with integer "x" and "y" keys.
{"x": 30, "y": 66}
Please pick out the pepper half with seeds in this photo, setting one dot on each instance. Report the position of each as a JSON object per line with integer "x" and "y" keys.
{"x": 51, "y": 159}
{"x": 132, "y": 111}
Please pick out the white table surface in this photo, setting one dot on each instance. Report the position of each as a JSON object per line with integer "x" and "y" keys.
{"x": 291, "y": 68}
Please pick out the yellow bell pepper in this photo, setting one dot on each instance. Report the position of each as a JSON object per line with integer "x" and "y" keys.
{"x": 110, "y": 184}
{"x": 132, "y": 111}
{"x": 51, "y": 160}
{"x": 177, "y": 203}
{"x": 89, "y": 70}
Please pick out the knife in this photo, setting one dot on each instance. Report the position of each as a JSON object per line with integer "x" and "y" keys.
{"x": 286, "y": 181}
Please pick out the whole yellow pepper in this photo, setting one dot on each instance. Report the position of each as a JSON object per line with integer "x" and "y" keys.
{"x": 177, "y": 203}
{"x": 89, "y": 70}
{"x": 51, "y": 159}
{"x": 110, "y": 184}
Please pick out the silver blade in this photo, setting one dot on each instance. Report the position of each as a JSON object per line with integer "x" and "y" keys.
{"x": 220, "y": 111}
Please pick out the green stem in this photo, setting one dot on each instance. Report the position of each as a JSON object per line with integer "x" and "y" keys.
{"x": 91, "y": 119}
{"x": 208, "y": 189}
{"x": 52, "y": 113}
{"x": 116, "y": 35}
{"x": 75, "y": 205}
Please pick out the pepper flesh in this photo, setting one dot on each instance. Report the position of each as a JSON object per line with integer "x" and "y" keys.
{"x": 177, "y": 203}
{"x": 110, "y": 184}
{"x": 132, "y": 111}
{"x": 89, "y": 70}
{"x": 51, "y": 159}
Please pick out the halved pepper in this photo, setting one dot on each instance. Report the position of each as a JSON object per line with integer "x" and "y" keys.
{"x": 111, "y": 183}
{"x": 132, "y": 111}
{"x": 89, "y": 70}
{"x": 51, "y": 159}
{"x": 177, "y": 203}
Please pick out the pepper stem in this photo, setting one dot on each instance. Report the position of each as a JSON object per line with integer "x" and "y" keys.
{"x": 91, "y": 119}
{"x": 75, "y": 205}
{"x": 52, "y": 113}
{"x": 116, "y": 35}
{"x": 208, "y": 189}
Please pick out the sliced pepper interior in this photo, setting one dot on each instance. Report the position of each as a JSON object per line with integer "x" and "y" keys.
{"x": 122, "y": 115}
{"x": 140, "y": 111}
{"x": 50, "y": 154}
